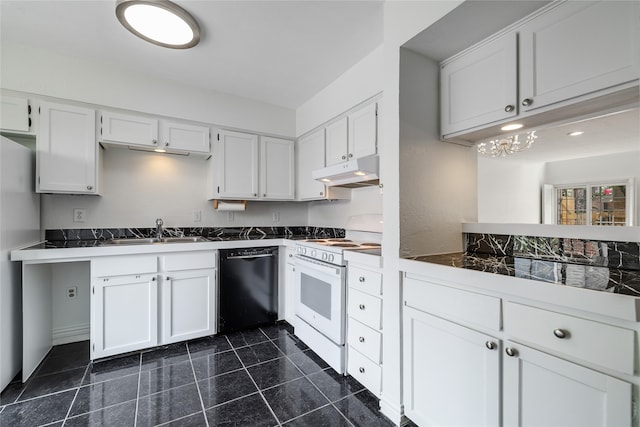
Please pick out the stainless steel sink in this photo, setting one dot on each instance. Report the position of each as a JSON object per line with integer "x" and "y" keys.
{"x": 150, "y": 241}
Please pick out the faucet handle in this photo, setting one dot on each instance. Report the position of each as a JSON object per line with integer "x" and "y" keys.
{"x": 159, "y": 221}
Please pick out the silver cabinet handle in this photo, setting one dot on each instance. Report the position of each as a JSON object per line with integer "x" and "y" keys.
{"x": 361, "y": 370}
{"x": 264, "y": 195}
{"x": 361, "y": 306}
{"x": 344, "y": 157}
{"x": 510, "y": 352}
{"x": 509, "y": 108}
{"x": 560, "y": 333}
{"x": 490, "y": 345}
{"x": 89, "y": 187}
{"x": 154, "y": 141}
{"x": 290, "y": 255}
{"x": 361, "y": 279}
{"x": 361, "y": 339}
{"x": 322, "y": 193}
{"x": 153, "y": 279}
{"x": 527, "y": 101}
{"x": 168, "y": 278}
{"x": 350, "y": 155}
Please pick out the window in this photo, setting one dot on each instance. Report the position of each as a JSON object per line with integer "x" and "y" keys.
{"x": 593, "y": 204}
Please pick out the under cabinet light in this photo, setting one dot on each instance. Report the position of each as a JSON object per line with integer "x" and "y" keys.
{"x": 160, "y": 22}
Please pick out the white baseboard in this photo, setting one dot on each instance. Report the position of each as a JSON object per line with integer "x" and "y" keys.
{"x": 71, "y": 334}
{"x": 393, "y": 412}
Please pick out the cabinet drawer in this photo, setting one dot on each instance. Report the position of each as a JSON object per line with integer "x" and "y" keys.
{"x": 123, "y": 265}
{"x": 366, "y": 340}
{"x": 365, "y": 308}
{"x": 189, "y": 261}
{"x": 452, "y": 303}
{"x": 365, "y": 280}
{"x": 365, "y": 371}
{"x": 595, "y": 342}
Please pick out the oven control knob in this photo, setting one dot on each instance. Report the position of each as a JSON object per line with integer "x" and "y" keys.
{"x": 313, "y": 252}
{"x": 325, "y": 256}
{"x": 330, "y": 257}
{"x": 303, "y": 251}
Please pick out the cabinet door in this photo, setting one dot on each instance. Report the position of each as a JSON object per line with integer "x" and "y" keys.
{"x": 184, "y": 137}
{"x": 128, "y": 129}
{"x": 542, "y": 390}
{"x": 276, "y": 169}
{"x": 236, "y": 161}
{"x": 363, "y": 132}
{"x": 124, "y": 314}
{"x": 336, "y": 142}
{"x": 14, "y": 114}
{"x": 578, "y": 48}
{"x": 289, "y": 292}
{"x": 479, "y": 87}
{"x": 451, "y": 373}
{"x": 66, "y": 149}
{"x": 188, "y": 305}
{"x": 310, "y": 158}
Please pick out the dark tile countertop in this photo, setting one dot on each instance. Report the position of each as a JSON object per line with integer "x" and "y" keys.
{"x": 596, "y": 278}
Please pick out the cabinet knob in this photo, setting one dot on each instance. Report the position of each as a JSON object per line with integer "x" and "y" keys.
{"x": 255, "y": 194}
{"x": 509, "y": 108}
{"x": 290, "y": 255}
{"x": 350, "y": 155}
{"x": 527, "y": 101}
{"x": 361, "y": 339}
{"x": 154, "y": 141}
{"x": 89, "y": 187}
{"x": 561, "y": 333}
{"x": 361, "y": 279}
{"x": 166, "y": 144}
{"x": 322, "y": 193}
{"x": 490, "y": 345}
{"x": 361, "y": 370}
{"x": 168, "y": 278}
{"x": 153, "y": 279}
{"x": 344, "y": 157}
{"x": 510, "y": 352}
{"x": 361, "y": 306}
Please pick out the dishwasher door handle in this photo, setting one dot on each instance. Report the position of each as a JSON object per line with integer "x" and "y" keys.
{"x": 250, "y": 256}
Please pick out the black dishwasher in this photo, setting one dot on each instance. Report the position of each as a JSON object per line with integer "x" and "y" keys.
{"x": 248, "y": 288}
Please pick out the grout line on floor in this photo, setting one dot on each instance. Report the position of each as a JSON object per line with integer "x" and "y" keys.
{"x": 195, "y": 378}
{"x": 135, "y": 415}
{"x": 256, "y": 385}
{"x": 66, "y": 417}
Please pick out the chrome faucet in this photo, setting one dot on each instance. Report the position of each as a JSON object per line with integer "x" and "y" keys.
{"x": 159, "y": 223}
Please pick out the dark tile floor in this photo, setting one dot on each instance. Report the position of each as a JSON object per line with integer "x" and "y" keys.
{"x": 261, "y": 377}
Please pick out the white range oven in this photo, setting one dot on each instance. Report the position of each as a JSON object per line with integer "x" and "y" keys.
{"x": 320, "y": 301}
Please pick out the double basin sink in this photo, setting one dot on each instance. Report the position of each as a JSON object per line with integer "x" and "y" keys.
{"x": 153, "y": 240}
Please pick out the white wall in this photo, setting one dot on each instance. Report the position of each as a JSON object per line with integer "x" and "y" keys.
{"x": 44, "y": 72}
{"x": 139, "y": 187}
{"x": 437, "y": 179}
{"x": 613, "y": 167}
{"x": 360, "y": 82}
{"x": 366, "y": 200}
{"x": 509, "y": 191}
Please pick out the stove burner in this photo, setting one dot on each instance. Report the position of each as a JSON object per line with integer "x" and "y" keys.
{"x": 374, "y": 245}
{"x": 338, "y": 240}
{"x": 315, "y": 240}
{"x": 343, "y": 245}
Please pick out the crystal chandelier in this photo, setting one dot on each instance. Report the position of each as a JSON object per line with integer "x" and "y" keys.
{"x": 503, "y": 146}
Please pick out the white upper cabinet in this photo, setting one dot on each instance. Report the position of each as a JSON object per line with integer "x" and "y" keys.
{"x": 128, "y": 129}
{"x": 310, "y": 157}
{"x": 235, "y": 166}
{"x": 578, "y": 48}
{"x": 277, "y": 180}
{"x": 66, "y": 150}
{"x": 352, "y": 136}
{"x": 185, "y": 137}
{"x": 363, "y": 132}
{"x": 336, "y": 142}
{"x": 480, "y": 87}
{"x": 545, "y": 67}
{"x": 14, "y": 114}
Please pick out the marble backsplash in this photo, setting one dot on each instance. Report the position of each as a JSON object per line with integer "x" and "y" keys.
{"x": 593, "y": 253}
{"x": 212, "y": 233}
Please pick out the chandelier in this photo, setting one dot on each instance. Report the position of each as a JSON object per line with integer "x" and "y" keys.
{"x": 503, "y": 146}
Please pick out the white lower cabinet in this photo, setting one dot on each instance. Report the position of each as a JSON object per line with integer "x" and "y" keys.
{"x": 188, "y": 304}
{"x": 141, "y": 301}
{"x": 124, "y": 314}
{"x": 452, "y": 373}
{"x": 459, "y": 370}
{"x": 290, "y": 286}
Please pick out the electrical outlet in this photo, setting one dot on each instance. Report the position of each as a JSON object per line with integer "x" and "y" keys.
{"x": 197, "y": 216}
{"x": 230, "y": 216}
{"x": 276, "y": 216}
{"x": 72, "y": 292}
{"x": 79, "y": 215}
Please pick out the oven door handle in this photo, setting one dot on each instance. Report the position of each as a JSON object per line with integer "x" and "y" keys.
{"x": 317, "y": 265}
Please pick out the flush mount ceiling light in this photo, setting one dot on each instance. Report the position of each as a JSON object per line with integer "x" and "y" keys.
{"x": 503, "y": 146}
{"x": 513, "y": 126}
{"x": 160, "y": 22}
{"x": 576, "y": 133}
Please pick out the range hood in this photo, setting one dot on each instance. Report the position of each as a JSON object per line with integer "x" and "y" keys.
{"x": 354, "y": 173}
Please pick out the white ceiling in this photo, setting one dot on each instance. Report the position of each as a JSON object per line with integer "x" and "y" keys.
{"x": 279, "y": 52}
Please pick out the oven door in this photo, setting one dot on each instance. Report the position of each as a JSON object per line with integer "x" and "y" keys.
{"x": 320, "y": 297}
